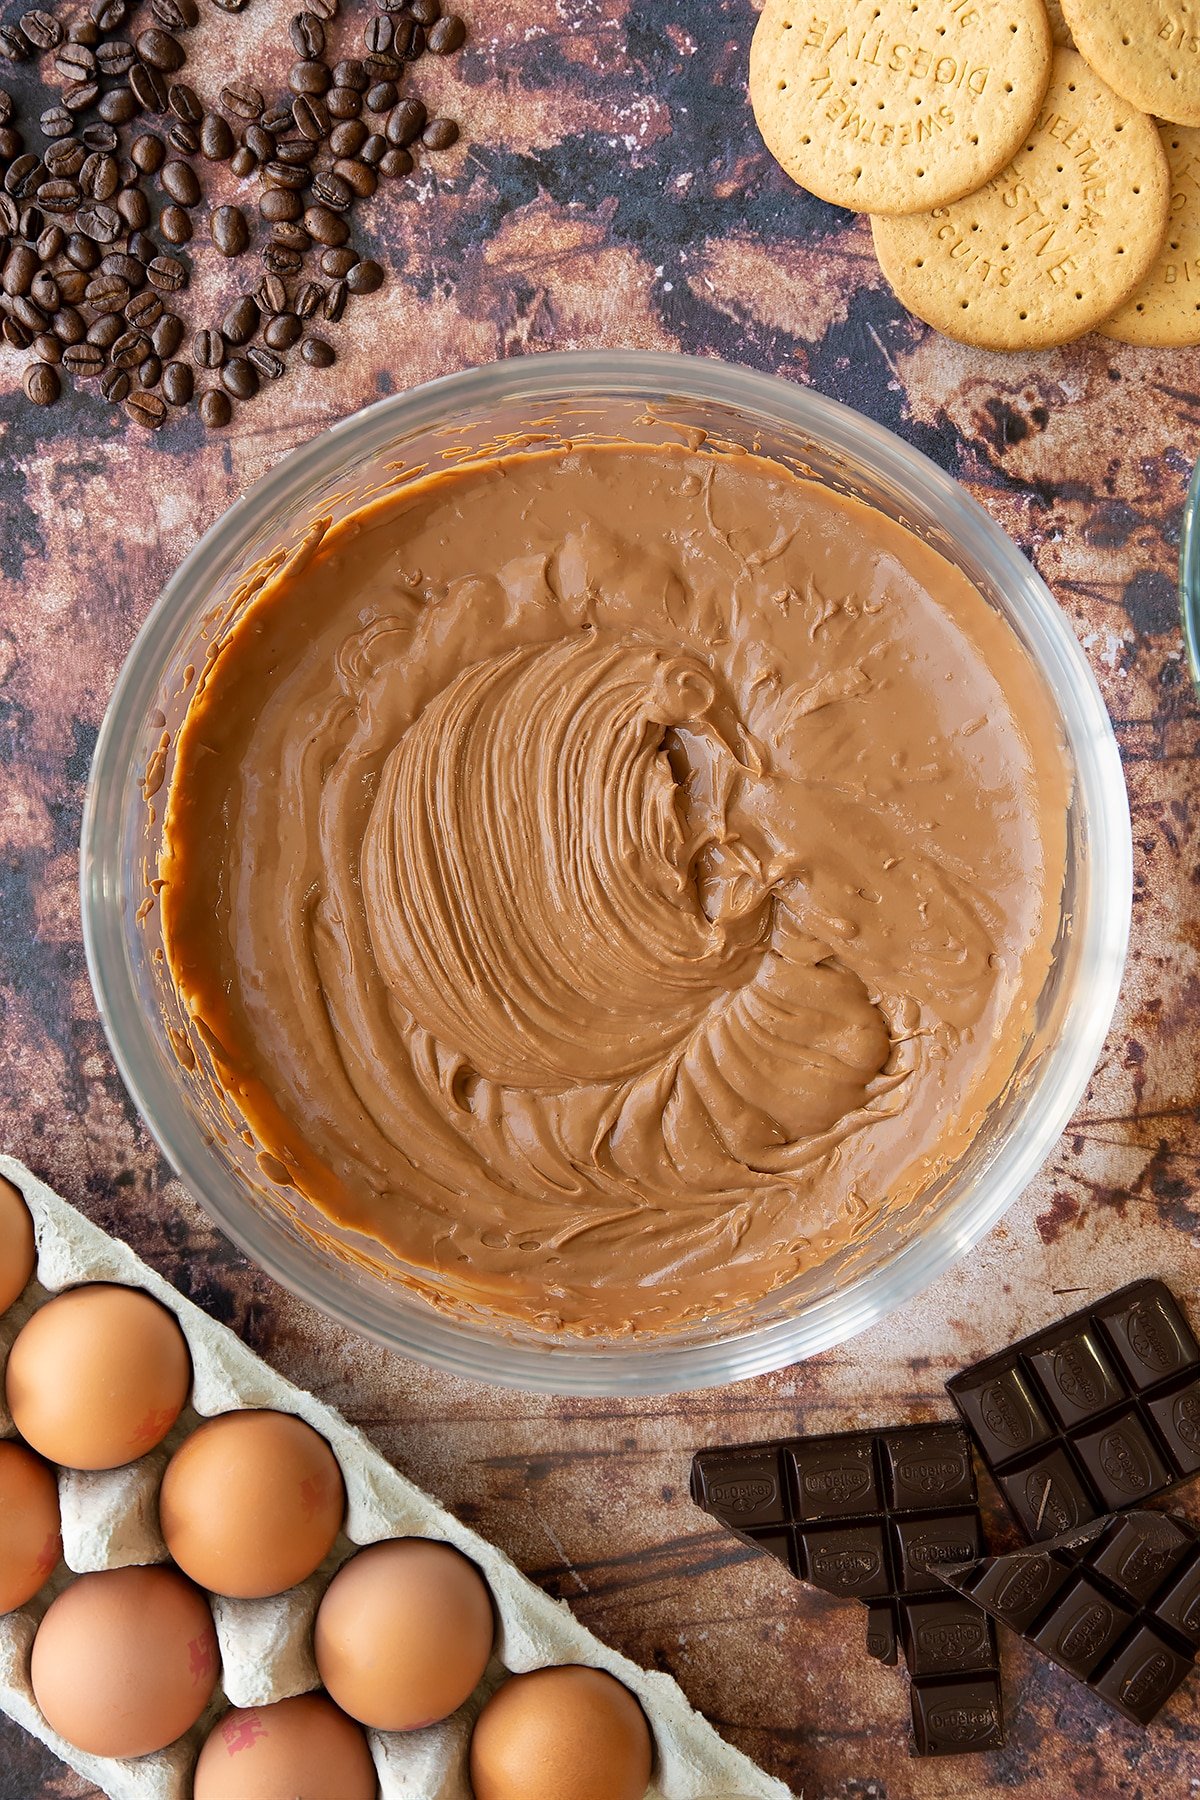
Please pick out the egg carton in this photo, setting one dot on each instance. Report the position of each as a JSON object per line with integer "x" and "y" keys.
{"x": 110, "y": 1520}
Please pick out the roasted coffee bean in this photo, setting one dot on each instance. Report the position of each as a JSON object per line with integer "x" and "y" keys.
{"x": 44, "y": 291}
{"x": 277, "y": 118}
{"x": 114, "y": 385}
{"x": 351, "y": 73}
{"x": 149, "y": 88}
{"x": 57, "y": 122}
{"x": 406, "y": 123}
{"x": 216, "y": 138}
{"x": 71, "y": 285}
{"x": 20, "y": 267}
{"x": 81, "y": 95}
{"x": 50, "y": 243}
{"x": 146, "y": 409}
{"x": 100, "y": 222}
{"x": 365, "y": 277}
{"x": 332, "y": 191}
{"x": 344, "y": 103}
{"x": 373, "y": 149}
{"x": 149, "y": 371}
{"x": 271, "y": 294}
{"x": 310, "y": 115}
{"x": 185, "y": 103}
{"x": 21, "y": 178}
{"x": 285, "y": 175}
{"x": 65, "y": 158}
{"x": 283, "y": 331}
{"x": 268, "y": 364}
{"x": 11, "y": 143}
{"x": 228, "y": 230}
{"x": 336, "y": 263}
{"x": 75, "y": 62}
{"x": 230, "y": 6}
{"x": 116, "y": 57}
{"x": 42, "y": 29}
{"x": 240, "y": 378}
{"x": 439, "y": 134}
{"x": 317, "y": 352}
{"x": 84, "y": 361}
{"x": 325, "y": 10}
{"x": 31, "y": 222}
{"x": 358, "y": 178}
{"x": 108, "y": 294}
{"x": 42, "y": 384}
{"x": 425, "y": 12}
{"x": 325, "y": 226}
{"x": 14, "y": 45}
{"x": 167, "y": 273}
{"x": 175, "y": 224}
{"x": 98, "y": 178}
{"x": 178, "y": 180}
{"x": 175, "y": 15}
{"x": 290, "y": 234}
{"x": 379, "y": 34}
{"x": 99, "y": 136}
{"x": 127, "y": 268}
{"x": 58, "y": 196}
{"x": 297, "y": 152}
{"x": 15, "y": 334}
{"x": 394, "y": 163}
{"x": 382, "y": 97}
{"x": 280, "y": 203}
{"x": 309, "y": 77}
{"x": 334, "y": 303}
{"x": 144, "y": 311}
{"x": 183, "y": 138}
{"x": 243, "y": 163}
{"x": 167, "y": 335}
{"x": 10, "y": 215}
{"x": 258, "y": 139}
{"x": 240, "y": 98}
{"x": 109, "y": 15}
{"x": 208, "y": 349}
{"x": 308, "y": 298}
{"x": 307, "y": 34}
{"x": 241, "y": 321}
{"x": 347, "y": 137}
{"x": 410, "y": 39}
{"x": 103, "y": 333}
{"x": 84, "y": 30}
{"x": 29, "y": 313}
{"x": 215, "y": 409}
{"x": 47, "y": 348}
{"x": 82, "y": 252}
{"x": 118, "y": 107}
{"x": 147, "y": 153}
{"x": 446, "y": 35}
{"x": 178, "y": 383}
{"x": 134, "y": 208}
{"x": 160, "y": 50}
{"x": 130, "y": 349}
{"x": 6, "y": 107}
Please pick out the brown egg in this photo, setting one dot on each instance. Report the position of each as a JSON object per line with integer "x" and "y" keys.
{"x": 98, "y": 1376}
{"x": 18, "y": 1252}
{"x": 251, "y": 1503}
{"x": 302, "y": 1749}
{"x": 404, "y": 1633}
{"x": 561, "y": 1734}
{"x": 30, "y": 1537}
{"x": 125, "y": 1661}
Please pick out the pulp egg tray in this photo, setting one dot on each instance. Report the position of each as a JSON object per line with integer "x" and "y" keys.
{"x": 110, "y": 1520}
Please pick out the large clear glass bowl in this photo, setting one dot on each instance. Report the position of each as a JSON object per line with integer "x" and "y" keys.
{"x": 647, "y": 397}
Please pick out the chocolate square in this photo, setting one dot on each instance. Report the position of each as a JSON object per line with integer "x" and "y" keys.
{"x": 740, "y": 1487}
{"x": 932, "y": 1468}
{"x": 947, "y": 1637}
{"x": 1150, "y": 1335}
{"x": 1139, "y": 1554}
{"x": 953, "y": 1718}
{"x": 1082, "y": 1625}
{"x": 1143, "y": 1675}
{"x": 1077, "y": 1377}
{"x": 1015, "y": 1589}
{"x": 1049, "y": 1498}
{"x": 881, "y": 1632}
{"x": 778, "y": 1544}
{"x": 1178, "y": 1418}
{"x": 1179, "y": 1607}
{"x": 1002, "y": 1412}
{"x": 924, "y": 1545}
{"x": 850, "y": 1561}
{"x": 833, "y": 1477}
{"x": 1122, "y": 1461}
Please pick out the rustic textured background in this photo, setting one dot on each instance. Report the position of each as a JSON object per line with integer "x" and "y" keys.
{"x": 611, "y": 190}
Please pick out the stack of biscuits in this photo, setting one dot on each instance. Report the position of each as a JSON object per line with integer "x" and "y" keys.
{"x": 1032, "y": 170}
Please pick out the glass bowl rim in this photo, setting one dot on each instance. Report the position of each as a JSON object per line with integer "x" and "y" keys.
{"x": 636, "y": 1366}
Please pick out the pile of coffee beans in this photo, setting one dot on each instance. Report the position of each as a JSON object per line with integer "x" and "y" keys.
{"x": 98, "y": 202}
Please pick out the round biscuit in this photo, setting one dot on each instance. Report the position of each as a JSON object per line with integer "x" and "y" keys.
{"x": 1149, "y": 54}
{"x": 894, "y": 106}
{"x": 1056, "y": 241}
{"x": 1165, "y": 310}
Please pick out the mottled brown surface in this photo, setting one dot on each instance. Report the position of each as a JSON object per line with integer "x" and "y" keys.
{"x": 615, "y": 193}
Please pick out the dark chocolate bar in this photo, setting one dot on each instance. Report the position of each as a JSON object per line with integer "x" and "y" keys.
{"x": 1091, "y": 1415}
{"x": 872, "y": 1516}
{"x": 1117, "y": 1604}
